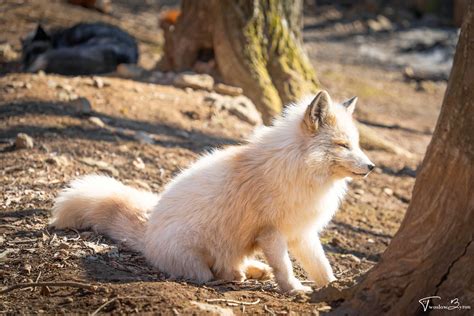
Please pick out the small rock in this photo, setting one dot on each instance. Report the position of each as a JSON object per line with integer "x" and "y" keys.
{"x": 101, "y": 165}
{"x": 192, "y": 115}
{"x": 388, "y": 191}
{"x": 27, "y": 268}
{"x": 351, "y": 257}
{"x": 64, "y": 86}
{"x": 374, "y": 26}
{"x": 213, "y": 97}
{"x": 385, "y": 23}
{"x": 64, "y": 96}
{"x": 144, "y": 137}
{"x": 138, "y": 163}
{"x": 244, "y": 109}
{"x": 52, "y": 84}
{"x": 23, "y": 141}
{"x": 53, "y": 160}
{"x": 96, "y": 121}
{"x": 370, "y": 240}
{"x": 359, "y": 191}
{"x": 228, "y": 90}
{"x": 380, "y": 24}
{"x": 16, "y": 84}
{"x": 182, "y": 133}
{"x": 81, "y": 106}
{"x": 194, "y": 81}
{"x": 98, "y": 82}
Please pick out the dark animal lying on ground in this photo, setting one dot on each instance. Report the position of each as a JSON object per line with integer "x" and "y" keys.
{"x": 86, "y": 48}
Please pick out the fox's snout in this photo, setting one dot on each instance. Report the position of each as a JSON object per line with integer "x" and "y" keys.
{"x": 363, "y": 165}
{"x": 370, "y": 167}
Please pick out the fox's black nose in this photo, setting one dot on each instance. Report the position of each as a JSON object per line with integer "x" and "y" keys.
{"x": 371, "y": 167}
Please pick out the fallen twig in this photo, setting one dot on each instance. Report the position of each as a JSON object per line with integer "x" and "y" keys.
{"x": 102, "y": 306}
{"x": 338, "y": 274}
{"x": 78, "y": 234}
{"x": 36, "y": 281}
{"x": 211, "y": 300}
{"x": 51, "y": 284}
{"x": 268, "y": 310}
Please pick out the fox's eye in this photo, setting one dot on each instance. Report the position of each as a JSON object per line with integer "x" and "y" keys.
{"x": 344, "y": 145}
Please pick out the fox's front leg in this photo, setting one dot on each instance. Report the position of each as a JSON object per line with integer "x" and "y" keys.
{"x": 275, "y": 249}
{"x": 309, "y": 252}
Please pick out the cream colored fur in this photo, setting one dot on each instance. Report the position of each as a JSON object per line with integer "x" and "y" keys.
{"x": 272, "y": 195}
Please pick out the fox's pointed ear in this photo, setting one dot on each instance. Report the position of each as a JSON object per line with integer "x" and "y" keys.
{"x": 40, "y": 34}
{"x": 317, "y": 111}
{"x": 350, "y": 104}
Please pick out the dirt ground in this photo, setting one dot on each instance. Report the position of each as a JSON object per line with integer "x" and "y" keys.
{"x": 149, "y": 133}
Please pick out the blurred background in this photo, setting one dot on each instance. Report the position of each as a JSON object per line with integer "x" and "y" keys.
{"x": 139, "y": 89}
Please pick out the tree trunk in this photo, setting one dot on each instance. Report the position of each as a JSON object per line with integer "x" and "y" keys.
{"x": 433, "y": 254}
{"x": 256, "y": 45}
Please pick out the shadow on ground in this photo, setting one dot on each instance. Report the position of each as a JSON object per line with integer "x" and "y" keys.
{"x": 117, "y": 128}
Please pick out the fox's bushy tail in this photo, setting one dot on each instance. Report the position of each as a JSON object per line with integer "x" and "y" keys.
{"x": 105, "y": 205}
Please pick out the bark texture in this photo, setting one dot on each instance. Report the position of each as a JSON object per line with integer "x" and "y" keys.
{"x": 256, "y": 45}
{"x": 432, "y": 254}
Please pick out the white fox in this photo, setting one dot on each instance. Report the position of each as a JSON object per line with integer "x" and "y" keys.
{"x": 271, "y": 195}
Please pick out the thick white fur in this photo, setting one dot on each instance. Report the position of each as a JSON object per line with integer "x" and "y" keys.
{"x": 272, "y": 195}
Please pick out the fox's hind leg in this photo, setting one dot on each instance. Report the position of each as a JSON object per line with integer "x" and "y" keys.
{"x": 181, "y": 263}
{"x": 196, "y": 268}
{"x": 257, "y": 270}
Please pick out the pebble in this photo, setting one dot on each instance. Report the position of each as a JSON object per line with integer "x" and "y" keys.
{"x": 143, "y": 137}
{"x": 82, "y": 106}
{"x": 138, "y": 163}
{"x": 23, "y": 141}
{"x": 241, "y": 107}
{"x": 98, "y": 82}
{"x": 228, "y": 90}
{"x": 244, "y": 109}
{"x": 58, "y": 160}
{"x": 351, "y": 257}
{"x": 96, "y": 121}
{"x": 388, "y": 191}
{"x": 68, "y": 300}
{"x": 194, "y": 81}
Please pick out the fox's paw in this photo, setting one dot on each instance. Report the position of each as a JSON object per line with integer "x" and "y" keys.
{"x": 325, "y": 279}
{"x": 300, "y": 289}
{"x": 293, "y": 287}
{"x": 257, "y": 270}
